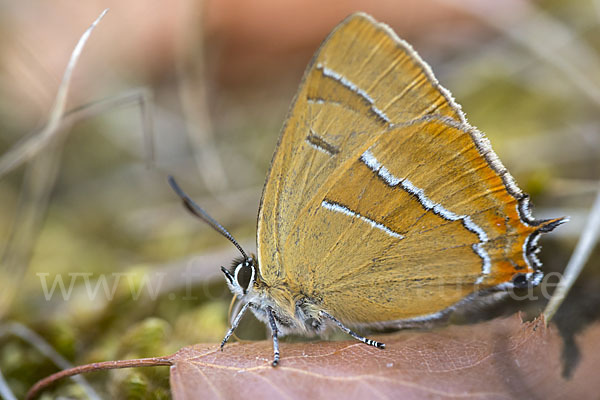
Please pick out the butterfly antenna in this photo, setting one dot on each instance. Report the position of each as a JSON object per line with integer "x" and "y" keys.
{"x": 203, "y": 215}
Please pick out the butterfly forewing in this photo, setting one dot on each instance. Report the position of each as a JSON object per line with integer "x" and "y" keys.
{"x": 361, "y": 81}
{"x": 370, "y": 56}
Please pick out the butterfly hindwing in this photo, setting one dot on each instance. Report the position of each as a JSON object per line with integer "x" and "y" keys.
{"x": 417, "y": 222}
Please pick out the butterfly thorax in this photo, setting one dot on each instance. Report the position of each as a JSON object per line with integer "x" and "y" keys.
{"x": 293, "y": 311}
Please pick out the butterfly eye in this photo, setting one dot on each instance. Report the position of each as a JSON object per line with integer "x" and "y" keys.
{"x": 244, "y": 274}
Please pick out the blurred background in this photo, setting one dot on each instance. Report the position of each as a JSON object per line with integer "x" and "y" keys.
{"x": 99, "y": 259}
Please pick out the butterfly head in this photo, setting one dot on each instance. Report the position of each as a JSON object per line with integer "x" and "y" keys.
{"x": 241, "y": 275}
{"x": 243, "y": 272}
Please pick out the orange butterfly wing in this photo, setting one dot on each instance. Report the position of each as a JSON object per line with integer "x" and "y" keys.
{"x": 389, "y": 67}
{"x": 379, "y": 193}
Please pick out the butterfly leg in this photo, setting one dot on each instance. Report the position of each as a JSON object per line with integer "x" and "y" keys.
{"x": 274, "y": 333}
{"x": 355, "y": 335}
{"x": 235, "y": 324}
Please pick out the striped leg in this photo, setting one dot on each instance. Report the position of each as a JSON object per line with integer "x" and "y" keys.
{"x": 235, "y": 324}
{"x": 370, "y": 342}
{"x": 274, "y": 333}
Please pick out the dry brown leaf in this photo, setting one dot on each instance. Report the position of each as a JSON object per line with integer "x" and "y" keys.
{"x": 499, "y": 359}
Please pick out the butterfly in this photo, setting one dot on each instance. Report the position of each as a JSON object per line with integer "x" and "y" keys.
{"x": 382, "y": 207}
